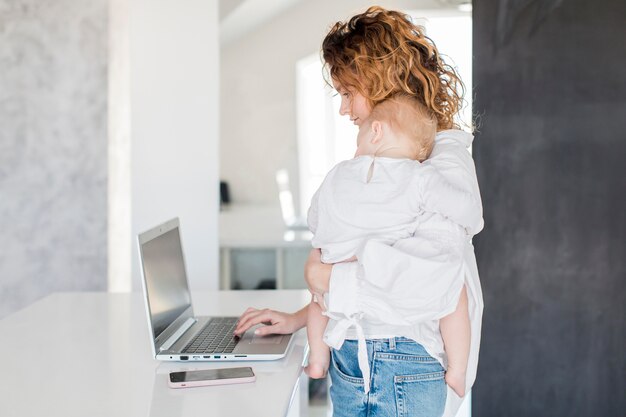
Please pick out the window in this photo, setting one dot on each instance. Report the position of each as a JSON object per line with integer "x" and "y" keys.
{"x": 324, "y": 137}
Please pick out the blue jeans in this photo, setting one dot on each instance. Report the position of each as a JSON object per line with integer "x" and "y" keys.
{"x": 405, "y": 380}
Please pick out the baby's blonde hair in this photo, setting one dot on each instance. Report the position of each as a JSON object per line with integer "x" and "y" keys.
{"x": 407, "y": 117}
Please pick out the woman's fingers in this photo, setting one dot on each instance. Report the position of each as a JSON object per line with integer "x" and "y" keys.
{"x": 276, "y": 322}
{"x": 265, "y": 330}
{"x": 244, "y": 318}
{"x": 253, "y": 318}
{"x": 247, "y": 314}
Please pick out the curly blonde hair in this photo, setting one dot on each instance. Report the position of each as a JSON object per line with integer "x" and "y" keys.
{"x": 381, "y": 52}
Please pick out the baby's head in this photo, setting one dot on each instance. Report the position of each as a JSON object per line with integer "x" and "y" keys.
{"x": 400, "y": 126}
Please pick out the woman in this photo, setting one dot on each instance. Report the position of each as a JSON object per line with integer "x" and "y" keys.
{"x": 371, "y": 57}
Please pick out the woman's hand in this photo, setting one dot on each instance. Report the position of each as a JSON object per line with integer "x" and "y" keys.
{"x": 316, "y": 273}
{"x": 276, "y": 322}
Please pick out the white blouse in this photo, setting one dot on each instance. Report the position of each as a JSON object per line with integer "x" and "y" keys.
{"x": 413, "y": 260}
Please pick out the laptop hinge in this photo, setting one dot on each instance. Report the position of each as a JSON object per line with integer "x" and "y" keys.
{"x": 177, "y": 334}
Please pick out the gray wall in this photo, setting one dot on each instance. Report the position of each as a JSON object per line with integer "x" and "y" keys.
{"x": 550, "y": 84}
{"x": 53, "y": 148}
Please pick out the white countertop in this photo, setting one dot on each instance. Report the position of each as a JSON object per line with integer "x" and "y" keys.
{"x": 88, "y": 355}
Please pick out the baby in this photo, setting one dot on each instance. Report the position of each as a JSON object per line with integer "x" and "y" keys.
{"x": 381, "y": 194}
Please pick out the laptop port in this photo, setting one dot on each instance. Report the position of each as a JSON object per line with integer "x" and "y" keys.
{"x": 184, "y": 358}
{"x": 216, "y": 356}
{"x": 206, "y": 357}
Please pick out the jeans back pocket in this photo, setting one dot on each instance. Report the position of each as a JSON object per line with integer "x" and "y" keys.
{"x": 420, "y": 395}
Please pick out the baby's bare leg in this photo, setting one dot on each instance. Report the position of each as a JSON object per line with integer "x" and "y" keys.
{"x": 319, "y": 356}
{"x": 455, "y": 331}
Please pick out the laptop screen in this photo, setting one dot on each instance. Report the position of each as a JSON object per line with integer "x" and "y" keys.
{"x": 166, "y": 281}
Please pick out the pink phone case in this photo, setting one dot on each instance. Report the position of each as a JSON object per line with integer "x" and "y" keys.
{"x": 205, "y": 383}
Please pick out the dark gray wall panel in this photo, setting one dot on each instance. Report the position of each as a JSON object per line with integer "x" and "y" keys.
{"x": 550, "y": 87}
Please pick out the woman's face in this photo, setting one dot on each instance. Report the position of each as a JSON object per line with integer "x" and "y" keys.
{"x": 353, "y": 104}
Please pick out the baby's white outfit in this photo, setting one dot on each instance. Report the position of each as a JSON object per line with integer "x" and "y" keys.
{"x": 347, "y": 211}
{"x": 410, "y": 227}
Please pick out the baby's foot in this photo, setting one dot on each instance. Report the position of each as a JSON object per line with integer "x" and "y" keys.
{"x": 318, "y": 364}
{"x": 456, "y": 381}
{"x": 316, "y": 370}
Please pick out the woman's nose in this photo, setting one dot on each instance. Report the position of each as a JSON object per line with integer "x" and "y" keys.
{"x": 344, "y": 108}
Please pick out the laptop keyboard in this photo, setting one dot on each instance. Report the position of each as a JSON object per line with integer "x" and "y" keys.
{"x": 216, "y": 336}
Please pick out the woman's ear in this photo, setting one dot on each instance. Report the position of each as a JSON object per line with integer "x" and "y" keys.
{"x": 377, "y": 131}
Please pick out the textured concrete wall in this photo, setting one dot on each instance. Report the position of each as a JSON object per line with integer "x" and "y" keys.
{"x": 550, "y": 85}
{"x": 53, "y": 154}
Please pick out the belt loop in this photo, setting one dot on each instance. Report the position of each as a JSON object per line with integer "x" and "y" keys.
{"x": 392, "y": 343}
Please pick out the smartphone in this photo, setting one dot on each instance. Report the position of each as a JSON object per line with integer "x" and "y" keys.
{"x": 205, "y": 377}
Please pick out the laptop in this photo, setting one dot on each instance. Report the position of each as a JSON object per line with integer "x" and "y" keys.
{"x": 176, "y": 333}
